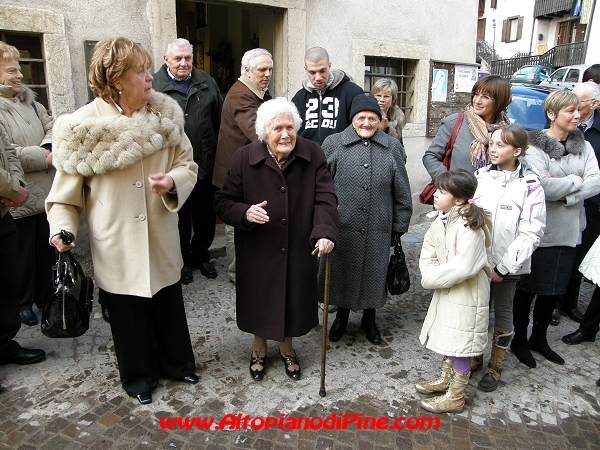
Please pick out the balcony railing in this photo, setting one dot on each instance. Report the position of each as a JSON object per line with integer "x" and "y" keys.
{"x": 558, "y": 56}
{"x": 552, "y": 8}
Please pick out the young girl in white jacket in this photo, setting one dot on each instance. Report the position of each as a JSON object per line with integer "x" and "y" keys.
{"x": 511, "y": 191}
{"x": 454, "y": 262}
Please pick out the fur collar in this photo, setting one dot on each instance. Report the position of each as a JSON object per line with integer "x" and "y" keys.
{"x": 552, "y": 147}
{"x": 6, "y": 98}
{"x": 107, "y": 141}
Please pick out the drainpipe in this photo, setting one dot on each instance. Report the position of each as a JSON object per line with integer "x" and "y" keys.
{"x": 533, "y": 26}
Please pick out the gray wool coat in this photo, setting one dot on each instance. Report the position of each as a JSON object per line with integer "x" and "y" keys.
{"x": 374, "y": 199}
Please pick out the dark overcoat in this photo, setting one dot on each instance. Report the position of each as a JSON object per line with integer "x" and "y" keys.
{"x": 374, "y": 195}
{"x": 276, "y": 286}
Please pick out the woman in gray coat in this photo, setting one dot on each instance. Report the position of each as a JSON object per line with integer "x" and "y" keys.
{"x": 374, "y": 204}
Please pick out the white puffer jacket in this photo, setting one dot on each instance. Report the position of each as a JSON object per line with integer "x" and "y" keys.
{"x": 517, "y": 203}
{"x": 590, "y": 266}
{"x": 27, "y": 130}
{"x": 454, "y": 262}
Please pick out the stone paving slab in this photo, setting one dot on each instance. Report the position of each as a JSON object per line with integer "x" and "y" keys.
{"x": 74, "y": 399}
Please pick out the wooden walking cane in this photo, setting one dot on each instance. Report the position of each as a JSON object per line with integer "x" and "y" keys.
{"x": 322, "y": 392}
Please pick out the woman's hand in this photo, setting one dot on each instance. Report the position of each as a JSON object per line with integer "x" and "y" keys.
{"x": 17, "y": 200}
{"x": 160, "y": 183}
{"x": 60, "y": 245}
{"x": 324, "y": 246}
{"x": 256, "y": 213}
{"x": 496, "y": 278}
{"x": 384, "y": 122}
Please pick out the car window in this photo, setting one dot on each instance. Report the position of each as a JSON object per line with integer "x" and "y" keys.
{"x": 528, "y": 69}
{"x": 558, "y": 75}
{"x": 527, "y": 112}
{"x": 572, "y": 76}
{"x": 545, "y": 71}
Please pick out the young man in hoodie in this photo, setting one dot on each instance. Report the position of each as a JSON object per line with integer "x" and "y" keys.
{"x": 325, "y": 98}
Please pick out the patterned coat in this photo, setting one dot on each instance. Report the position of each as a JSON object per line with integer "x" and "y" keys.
{"x": 374, "y": 199}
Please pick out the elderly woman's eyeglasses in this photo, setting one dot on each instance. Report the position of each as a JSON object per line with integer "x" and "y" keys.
{"x": 485, "y": 97}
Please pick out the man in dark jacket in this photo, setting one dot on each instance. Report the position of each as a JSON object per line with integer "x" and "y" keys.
{"x": 13, "y": 195}
{"x": 325, "y": 98}
{"x": 589, "y": 123}
{"x": 237, "y": 123}
{"x": 198, "y": 95}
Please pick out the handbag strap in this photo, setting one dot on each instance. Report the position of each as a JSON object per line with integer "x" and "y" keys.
{"x": 450, "y": 144}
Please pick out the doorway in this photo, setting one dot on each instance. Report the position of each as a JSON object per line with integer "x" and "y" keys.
{"x": 222, "y": 33}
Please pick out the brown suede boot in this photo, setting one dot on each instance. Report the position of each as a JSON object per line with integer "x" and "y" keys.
{"x": 489, "y": 381}
{"x": 441, "y": 383}
{"x": 476, "y": 363}
{"x": 454, "y": 398}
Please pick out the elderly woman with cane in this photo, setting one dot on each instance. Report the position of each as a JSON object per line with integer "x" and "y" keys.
{"x": 279, "y": 197}
{"x": 126, "y": 157}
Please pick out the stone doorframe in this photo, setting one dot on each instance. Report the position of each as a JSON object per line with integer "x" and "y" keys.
{"x": 290, "y": 38}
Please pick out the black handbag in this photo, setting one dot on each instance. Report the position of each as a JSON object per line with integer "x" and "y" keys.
{"x": 69, "y": 299}
{"x": 398, "y": 279}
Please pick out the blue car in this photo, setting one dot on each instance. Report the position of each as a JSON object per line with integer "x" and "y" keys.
{"x": 533, "y": 74}
{"x": 527, "y": 106}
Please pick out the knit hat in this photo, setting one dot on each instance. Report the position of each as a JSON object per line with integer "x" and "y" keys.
{"x": 364, "y": 103}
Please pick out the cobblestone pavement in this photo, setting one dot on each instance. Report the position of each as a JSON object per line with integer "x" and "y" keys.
{"x": 74, "y": 399}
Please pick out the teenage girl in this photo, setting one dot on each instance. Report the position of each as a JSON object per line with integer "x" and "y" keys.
{"x": 511, "y": 191}
{"x": 454, "y": 262}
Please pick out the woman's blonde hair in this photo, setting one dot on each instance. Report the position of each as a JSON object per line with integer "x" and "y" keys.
{"x": 8, "y": 52}
{"x": 558, "y": 100}
{"x": 111, "y": 59}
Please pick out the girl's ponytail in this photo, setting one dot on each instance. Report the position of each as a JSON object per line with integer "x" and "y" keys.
{"x": 462, "y": 185}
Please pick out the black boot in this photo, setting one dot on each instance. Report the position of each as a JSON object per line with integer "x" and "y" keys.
{"x": 542, "y": 314}
{"x": 368, "y": 324}
{"x": 519, "y": 346}
{"x": 339, "y": 324}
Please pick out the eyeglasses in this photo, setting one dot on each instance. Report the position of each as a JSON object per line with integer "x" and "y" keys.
{"x": 481, "y": 96}
{"x": 370, "y": 119}
{"x": 382, "y": 97}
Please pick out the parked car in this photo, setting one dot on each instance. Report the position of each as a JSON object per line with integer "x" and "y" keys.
{"x": 527, "y": 106}
{"x": 531, "y": 74}
{"x": 565, "y": 77}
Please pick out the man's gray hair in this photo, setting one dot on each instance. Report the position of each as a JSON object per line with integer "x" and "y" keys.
{"x": 249, "y": 58}
{"x": 269, "y": 110}
{"x": 179, "y": 42}
{"x": 592, "y": 90}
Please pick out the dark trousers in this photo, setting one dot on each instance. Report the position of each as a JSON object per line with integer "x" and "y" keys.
{"x": 151, "y": 338}
{"x": 9, "y": 287}
{"x": 36, "y": 258}
{"x": 199, "y": 211}
{"x": 588, "y": 237}
{"x": 590, "y": 323}
{"x": 542, "y": 312}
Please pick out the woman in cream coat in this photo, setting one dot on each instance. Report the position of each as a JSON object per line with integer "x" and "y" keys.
{"x": 125, "y": 158}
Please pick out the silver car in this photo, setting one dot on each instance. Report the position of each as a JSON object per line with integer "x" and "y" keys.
{"x": 565, "y": 77}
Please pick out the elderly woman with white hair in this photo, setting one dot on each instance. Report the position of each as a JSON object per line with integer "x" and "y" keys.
{"x": 279, "y": 197}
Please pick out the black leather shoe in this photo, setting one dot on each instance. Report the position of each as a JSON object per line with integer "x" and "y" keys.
{"x": 25, "y": 356}
{"x": 208, "y": 269}
{"x": 289, "y": 361}
{"x": 372, "y": 331}
{"x": 337, "y": 330}
{"x": 261, "y": 361}
{"x": 573, "y": 314}
{"x": 144, "y": 398}
{"x": 598, "y": 382}
{"x": 555, "y": 317}
{"x": 186, "y": 275}
{"x": 192, "y": 378}
{"x": 577, "y": 338}
{"x": 105, "y": 315}
{"x": 28, "y": 317}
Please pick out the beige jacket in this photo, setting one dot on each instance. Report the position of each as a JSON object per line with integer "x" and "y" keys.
{"x": 454, "y": 262}
{"x": 27, "y": 130}
{"x": 103, "y": 160}
{"x": 11, "y": 173}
